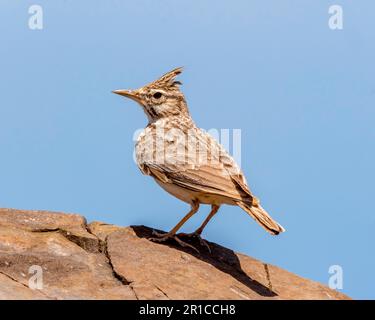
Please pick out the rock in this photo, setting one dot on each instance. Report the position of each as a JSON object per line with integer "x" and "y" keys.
{"x": 102, "y": 261}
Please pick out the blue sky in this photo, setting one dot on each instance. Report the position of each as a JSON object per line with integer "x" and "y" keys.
{"x": 302, "y": 94}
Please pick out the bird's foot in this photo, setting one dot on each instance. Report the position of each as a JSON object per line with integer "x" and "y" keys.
{"x": 161, "y": 237}
{"x": 196, "y": 235}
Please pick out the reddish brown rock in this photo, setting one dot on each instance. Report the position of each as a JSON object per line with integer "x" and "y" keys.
{"x": 101, "y": 261}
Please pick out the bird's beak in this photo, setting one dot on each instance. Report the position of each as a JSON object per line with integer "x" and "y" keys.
{"x": 132, "y": 94}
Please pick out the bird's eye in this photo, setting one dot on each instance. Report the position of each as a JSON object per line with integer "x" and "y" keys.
{"x": 157, "y": 95}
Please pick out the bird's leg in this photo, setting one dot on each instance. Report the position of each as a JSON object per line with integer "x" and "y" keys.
{"x": 172, "y": 234}
{"x": 214, "y": 210}
{"x": 197, "y": 233}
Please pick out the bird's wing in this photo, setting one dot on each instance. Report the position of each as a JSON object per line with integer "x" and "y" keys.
{"x": 208, "y": 170}
{"x": 206, "y": 179}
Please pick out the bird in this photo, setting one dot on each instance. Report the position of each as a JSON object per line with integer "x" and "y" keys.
{"x": 186, "y": 161}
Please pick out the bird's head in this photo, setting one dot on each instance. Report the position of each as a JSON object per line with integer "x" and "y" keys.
{"x": 161, "y": 98}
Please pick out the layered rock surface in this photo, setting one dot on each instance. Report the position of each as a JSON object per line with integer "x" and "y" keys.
{"x": 66, "y": 258}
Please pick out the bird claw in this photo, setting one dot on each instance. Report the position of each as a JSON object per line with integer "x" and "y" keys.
{"x": 198, "y": 236}
{"x": 161, "y": 237}
{"x": 158, "y": 234}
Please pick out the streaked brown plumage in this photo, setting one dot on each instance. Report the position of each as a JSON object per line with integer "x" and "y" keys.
{"x": 186, "y": 161}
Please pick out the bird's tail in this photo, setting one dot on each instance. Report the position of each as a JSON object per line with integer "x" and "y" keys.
{"x": 262, "y": 217}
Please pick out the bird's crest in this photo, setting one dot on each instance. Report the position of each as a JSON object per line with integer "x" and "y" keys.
{"x": 168, "y": 80}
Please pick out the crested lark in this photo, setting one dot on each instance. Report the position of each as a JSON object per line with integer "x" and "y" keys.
{"x": 186, "y": 161}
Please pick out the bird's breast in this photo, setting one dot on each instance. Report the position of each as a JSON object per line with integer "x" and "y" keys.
{"x": 162, "y": 142}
